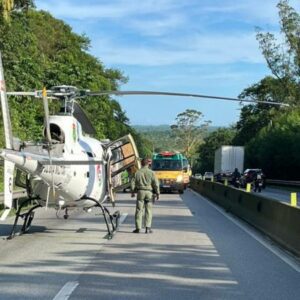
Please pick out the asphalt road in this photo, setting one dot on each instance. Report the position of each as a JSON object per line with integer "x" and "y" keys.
{"x": 278, "y": 194}
{"x": 197, "y": 251}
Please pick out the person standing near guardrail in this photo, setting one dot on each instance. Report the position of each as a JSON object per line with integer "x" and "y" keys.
{"x": 257, "y": 182}
{"x": 236, "y": 176}
{"x": 146, "y": 185}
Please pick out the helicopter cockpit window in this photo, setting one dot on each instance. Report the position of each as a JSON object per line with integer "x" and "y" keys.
{"x": 56, "y": 133}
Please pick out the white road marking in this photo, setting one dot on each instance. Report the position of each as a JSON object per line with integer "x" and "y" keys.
{"x": 5, "y": 214}
{"x": 284, "y": 257}
{"x": 70, "y": 286}
{"x": 66, "y": 290}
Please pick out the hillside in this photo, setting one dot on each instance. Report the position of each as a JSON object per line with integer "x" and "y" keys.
{"x": 39, "y": 51}
{"x": 160, "y": 136}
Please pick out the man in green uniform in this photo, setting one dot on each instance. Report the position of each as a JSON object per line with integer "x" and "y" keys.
{"x": 144, "y": 183}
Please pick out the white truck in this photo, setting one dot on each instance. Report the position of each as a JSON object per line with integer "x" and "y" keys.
{"x": 227, "y": 158}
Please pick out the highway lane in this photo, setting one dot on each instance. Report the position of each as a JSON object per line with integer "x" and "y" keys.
{"x": 277, "y": 194}
{"x": 273, "y": 193}
{"x": 196, "y": 252}
{"x": 36, "y": 265}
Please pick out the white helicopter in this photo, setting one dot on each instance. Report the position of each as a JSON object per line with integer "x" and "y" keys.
{"x": 69, "y": 169}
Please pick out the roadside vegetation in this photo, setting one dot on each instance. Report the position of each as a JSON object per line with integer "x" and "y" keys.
{"x": 41, "y": 51}
{"x": 271, "y": 135}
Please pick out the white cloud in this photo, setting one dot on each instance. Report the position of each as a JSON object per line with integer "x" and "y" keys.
{"x": 254, "y": 10}
{"x": 158, "y": 26}
{"x": 251, "y": 11}
{"x": 195, "y": 49}
{"x": 108, "y": 9}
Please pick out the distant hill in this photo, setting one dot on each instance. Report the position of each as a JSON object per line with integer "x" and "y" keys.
{"x": 163, "y": 127}
{"x": 160, "y": 136}
{"x": 150, "y": 128}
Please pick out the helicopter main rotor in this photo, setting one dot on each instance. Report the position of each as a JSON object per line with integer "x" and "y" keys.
{"x": 71, "y": 93}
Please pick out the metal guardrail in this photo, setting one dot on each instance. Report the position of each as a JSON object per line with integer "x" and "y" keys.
{"x": 16, "y": 195}
{"x": 283, "y": 182}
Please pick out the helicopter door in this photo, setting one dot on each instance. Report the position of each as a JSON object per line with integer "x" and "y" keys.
{"x": 124, "y": 162}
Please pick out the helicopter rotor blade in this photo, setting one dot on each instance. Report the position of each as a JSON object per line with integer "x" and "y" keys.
{"x": 36, "y": 94}
{"x": 79, "y": 113}
{"x": 86, "y": 93}
{"x": 156, "y": 93}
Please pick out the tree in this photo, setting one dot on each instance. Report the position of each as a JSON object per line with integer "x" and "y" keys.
{"x": 39, "y": 50}
{"x": 187, "y": 131}
{"x": 205, "y": 160}
{"x": 255, "y": 117}
{"x": 7, "y": 6}
{"x": 23, "y": 4}
{"x": 283, "y": 59}
{"x": 276, "y": 147}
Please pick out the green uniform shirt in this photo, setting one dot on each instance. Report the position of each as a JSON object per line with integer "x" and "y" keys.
{"x": 145, "y": 179}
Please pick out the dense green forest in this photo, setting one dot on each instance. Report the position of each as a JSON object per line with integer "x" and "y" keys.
{"x": 41, "y": 51}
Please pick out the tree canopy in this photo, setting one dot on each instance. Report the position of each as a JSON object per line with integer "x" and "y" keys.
{"x": 205, "y": 160}
{"x": 188, "y": 133}
{"x": 39, "y": 51}
{"x": 270, "y": 134}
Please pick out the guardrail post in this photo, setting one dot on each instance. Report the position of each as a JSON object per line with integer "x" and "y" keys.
{"x": 248, "y": 187}
{"x": 226, "y": 182}
{"x": 212, "y": 179}
{"x": 293, "y": 199}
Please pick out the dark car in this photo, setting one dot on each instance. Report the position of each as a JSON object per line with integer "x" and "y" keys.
{"x": 250, "y": 174}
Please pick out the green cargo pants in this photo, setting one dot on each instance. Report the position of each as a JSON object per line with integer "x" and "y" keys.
{"x": 144, "y": 199}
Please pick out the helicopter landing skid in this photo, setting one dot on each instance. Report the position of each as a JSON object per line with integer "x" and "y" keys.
{"x": 27, "y": 217}
{"x": 111, "y": 220}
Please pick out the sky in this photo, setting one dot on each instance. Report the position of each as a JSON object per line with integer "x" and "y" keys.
{"x": 190, "y": 46}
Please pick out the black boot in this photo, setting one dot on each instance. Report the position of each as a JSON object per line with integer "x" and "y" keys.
{"x": 136, "y": 231}
{"x": 148, "y": 230}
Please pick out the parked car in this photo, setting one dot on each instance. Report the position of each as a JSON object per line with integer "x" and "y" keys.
{"x": 221, "y": 177}
{"x": 198, "y": 176}
{"x": 249, "y": 175}
{"x": 208, "y": 176}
